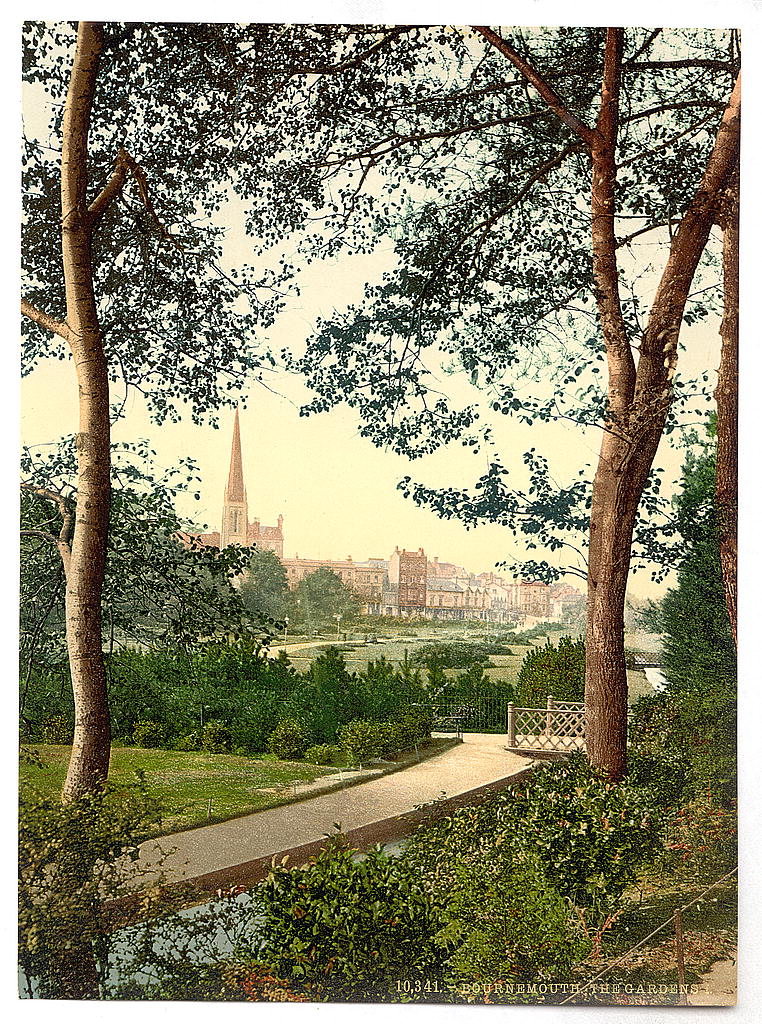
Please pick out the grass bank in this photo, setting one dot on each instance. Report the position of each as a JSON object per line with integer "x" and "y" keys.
{"x": 183, "y": 782}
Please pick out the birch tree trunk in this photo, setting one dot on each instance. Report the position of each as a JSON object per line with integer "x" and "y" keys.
{"x": 88, "y": 767}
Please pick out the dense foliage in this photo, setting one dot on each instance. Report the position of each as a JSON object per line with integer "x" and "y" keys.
{"x": 695, "y": 717}
{"x": 557, "y": 670}
{"x": 321, "y": 600}
{"x": 264, "y": 588}
{"x": 347, "y": 927}
{"x": 227, "y": 696}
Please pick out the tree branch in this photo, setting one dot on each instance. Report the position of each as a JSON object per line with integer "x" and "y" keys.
{"x": 63, "y": 540}
{"x": 45, "y": 320}
{"x": 350, "y": 62}
{"x": 112, "y": 188}
{"x": 619, "y": 355}
{"x": 397, "y": 141}
{"x": 545, "y": 90}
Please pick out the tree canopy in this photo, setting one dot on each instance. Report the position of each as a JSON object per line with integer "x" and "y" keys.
{"x": 264, "y": 589}
{"x": 320, "y": 597}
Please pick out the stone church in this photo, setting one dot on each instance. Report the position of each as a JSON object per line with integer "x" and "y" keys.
{"x": 236, "y": 528}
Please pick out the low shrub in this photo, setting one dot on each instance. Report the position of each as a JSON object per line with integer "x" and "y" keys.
{"x": 364, "y": 740}
{"x": 323, "y": 753}
{"x": 191, "y": 741}
{"x": 506, "y": 922}
{"x": 592, "y": 835}
{"x": 345, "y": 928}
{"x": 702, "y": 839}
{"x": 288, "y": 740}
{"x": 57, "y": 729}
{"x": 216, "y": 738}
{"x": 664, "y": 774}
{"x": 149, "y": 734}
{"x": 415, "y": 726}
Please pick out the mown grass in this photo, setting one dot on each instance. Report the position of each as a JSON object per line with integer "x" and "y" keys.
{"x": 183, "y": 783}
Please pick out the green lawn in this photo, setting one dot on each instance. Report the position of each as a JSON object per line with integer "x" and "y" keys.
{"x": 184, "y": 782}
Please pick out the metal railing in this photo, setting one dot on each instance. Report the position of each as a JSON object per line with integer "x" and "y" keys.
{"x": 559, "y": 726}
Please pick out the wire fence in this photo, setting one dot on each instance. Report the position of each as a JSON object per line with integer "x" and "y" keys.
{"x": 675, "y": 917}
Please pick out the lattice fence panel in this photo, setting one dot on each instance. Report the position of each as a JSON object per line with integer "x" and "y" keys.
{"x": 550, "y": 729}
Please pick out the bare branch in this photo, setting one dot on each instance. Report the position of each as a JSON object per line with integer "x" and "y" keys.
{"x": 112, "y": 188}
{"x": 63, "y": 540}
{"x": 45, "y": 320}
{"x": 39, "y": 533}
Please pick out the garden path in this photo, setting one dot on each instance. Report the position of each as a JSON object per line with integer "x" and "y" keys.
{"x": 718, "y": 987}
{"x": 239, "y": 851}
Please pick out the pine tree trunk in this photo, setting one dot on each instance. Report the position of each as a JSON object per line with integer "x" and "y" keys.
{"x": 88, "y": 766}
{"x": 726, "y": 397}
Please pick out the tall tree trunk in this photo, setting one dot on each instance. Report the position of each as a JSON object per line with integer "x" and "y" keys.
{"x": 639, "y": 397}
{"x": 88, "y": 766}
{"x": 726, "y": 397}
{"x": 638, "y": 403}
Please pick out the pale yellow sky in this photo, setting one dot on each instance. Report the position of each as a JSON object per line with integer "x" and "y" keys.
{"x": 337, "y": 492}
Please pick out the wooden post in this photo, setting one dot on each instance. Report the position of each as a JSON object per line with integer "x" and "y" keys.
{"x": 549, "y": 716}
{"x": 511, "y": 725}
{"x": 680, "y": 951}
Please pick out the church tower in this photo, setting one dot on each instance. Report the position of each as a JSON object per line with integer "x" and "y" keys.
{"x": 235, "y": 510}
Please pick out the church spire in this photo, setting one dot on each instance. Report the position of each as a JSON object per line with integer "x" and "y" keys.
{"x": 235, "y": 490}
{"x": 235, "y": 511}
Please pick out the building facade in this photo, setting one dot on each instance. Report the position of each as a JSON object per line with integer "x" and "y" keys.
{"x": 406, "y": 584}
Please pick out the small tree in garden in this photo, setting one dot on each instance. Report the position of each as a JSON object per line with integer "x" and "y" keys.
{"x": 320, "y": 597}
{"x": 557, "y": 670}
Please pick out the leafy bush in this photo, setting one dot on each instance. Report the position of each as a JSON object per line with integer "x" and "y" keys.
{"x": 559, "y": 671}
{"x": 57, "y": 729}
{"x": 188, "y": 743}
{"x": 664, "y": 774}
{"x": 697, "y": 724}
{"x": 506, "y": 921}
{"x": 216, "y": 738}
{"x": 364, "y": 740}
{"x": 415, "y": 726}
{"x": 323, "y": 753}
{"x": 149, "y": 734}
{"x": 288, "y": 740}
{"x": 345, "y": 927}
{"x": 591, "y": 834}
